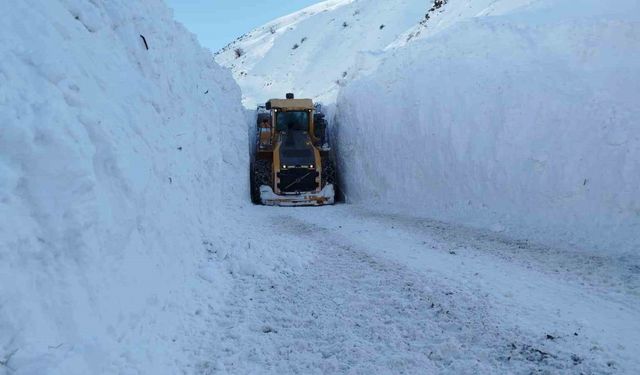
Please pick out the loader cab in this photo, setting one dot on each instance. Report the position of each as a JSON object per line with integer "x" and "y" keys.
{"x": 291, "y": 114}
{"x": 287, "y": 121}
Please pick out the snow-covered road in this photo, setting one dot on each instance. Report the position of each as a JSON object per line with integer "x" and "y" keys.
{"x": 389, "y": 293}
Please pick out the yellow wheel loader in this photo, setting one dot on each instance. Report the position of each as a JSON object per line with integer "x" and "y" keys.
{"x": 291, "y": 161}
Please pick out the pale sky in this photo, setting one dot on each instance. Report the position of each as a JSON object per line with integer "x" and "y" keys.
{"x": 219, "y": 22}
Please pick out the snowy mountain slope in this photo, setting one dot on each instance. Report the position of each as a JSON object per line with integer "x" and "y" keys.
{"x": 316, "y": 51}
{"x": 113, "y": 154}
{"x": 524, "y": 122}
{"x": 313, "y": 52}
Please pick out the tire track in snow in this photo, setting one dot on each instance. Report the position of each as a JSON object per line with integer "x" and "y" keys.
{"x": 349, "y": 312}
{"x": 611, "y": 275}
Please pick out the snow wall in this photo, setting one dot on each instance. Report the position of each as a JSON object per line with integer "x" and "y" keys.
{"x": 115, "y": 153}
{"x": 526, "y": 123}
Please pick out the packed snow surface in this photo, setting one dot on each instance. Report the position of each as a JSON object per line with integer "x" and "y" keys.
{"x": 389, "y": 293}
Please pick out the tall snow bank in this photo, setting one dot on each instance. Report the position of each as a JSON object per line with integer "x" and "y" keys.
{"x": 525, "y": 122}
{"x": 116, "y": 158}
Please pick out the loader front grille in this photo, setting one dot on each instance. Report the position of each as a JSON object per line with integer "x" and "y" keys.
{"x": 297, "y": 180}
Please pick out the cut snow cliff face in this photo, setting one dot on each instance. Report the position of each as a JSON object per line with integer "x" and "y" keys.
{"x": 114, "y": 151}
{"x": 524, "y": 122}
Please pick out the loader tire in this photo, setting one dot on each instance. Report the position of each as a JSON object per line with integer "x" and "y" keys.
{"x": 253, "y": 189}
{"x": 261, "y": 173}
{"x": 328, "y": 172}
